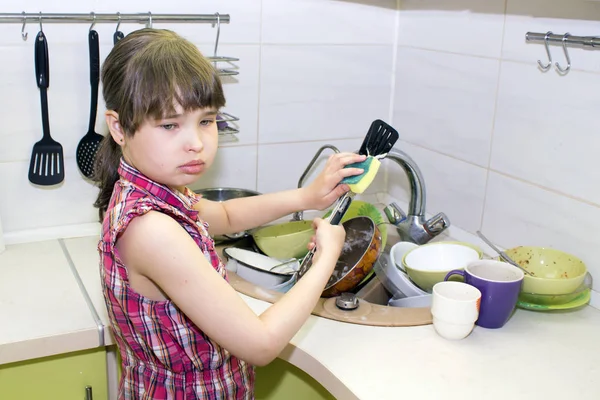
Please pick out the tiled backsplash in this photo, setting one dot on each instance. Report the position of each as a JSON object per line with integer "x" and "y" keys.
{"x": 503, "y": 147}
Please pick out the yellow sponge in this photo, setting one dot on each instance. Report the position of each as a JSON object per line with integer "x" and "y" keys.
{"x": 359, "y": 183}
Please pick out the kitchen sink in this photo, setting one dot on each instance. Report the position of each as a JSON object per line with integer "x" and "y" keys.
{"x": 372, "y": 299}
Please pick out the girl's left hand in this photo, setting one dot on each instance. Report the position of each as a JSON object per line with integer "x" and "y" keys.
{"x": 325, "y": 189}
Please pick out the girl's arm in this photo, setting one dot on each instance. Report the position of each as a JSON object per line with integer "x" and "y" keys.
{"x": 157, "y": 247}
{"x": 237, "y": 215}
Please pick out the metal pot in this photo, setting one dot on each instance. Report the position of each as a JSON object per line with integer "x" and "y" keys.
{"x": 222, "y": 194}
{"x": 361, "y": 249}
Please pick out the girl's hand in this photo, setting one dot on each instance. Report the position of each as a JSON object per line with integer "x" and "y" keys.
{"x": 328, "y": 238}
{"x": 325, "y": 189}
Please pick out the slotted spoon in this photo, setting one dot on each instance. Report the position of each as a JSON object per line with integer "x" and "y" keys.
{"x": 88, "y": 145}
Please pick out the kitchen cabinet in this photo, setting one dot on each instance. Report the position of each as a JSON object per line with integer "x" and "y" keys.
{"x": 60, "y": 377}
{"x": 282, "y": 380}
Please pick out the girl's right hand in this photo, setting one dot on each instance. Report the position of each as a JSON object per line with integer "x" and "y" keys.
{"x": 328, "y": 238}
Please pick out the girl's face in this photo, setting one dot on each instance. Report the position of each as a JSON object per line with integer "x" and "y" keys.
{"x": 174, "y": 150}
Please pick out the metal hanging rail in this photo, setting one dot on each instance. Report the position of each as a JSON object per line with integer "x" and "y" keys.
{"x": 570, "y": 40}
{"x": 116, "y": 17}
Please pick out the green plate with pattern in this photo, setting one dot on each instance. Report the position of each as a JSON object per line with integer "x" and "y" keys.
{"x": 581, "y": 300}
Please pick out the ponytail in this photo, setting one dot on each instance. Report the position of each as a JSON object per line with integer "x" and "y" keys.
{"x": 106, "y": 172}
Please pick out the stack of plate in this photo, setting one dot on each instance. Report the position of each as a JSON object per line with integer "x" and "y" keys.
{"x": 550, "y": 302}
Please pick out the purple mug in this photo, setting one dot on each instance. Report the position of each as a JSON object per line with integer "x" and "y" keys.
{"x": 499, "y": 284}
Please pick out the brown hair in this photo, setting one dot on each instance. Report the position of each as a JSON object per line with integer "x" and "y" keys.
{"x": 145, "y": 75}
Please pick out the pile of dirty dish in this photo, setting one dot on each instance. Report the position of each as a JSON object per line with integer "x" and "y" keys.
{"x": 553, "y": 279}
{"x": 274, "y": 256}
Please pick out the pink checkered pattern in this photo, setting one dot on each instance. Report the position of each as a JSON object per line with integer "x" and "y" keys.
{"x": 165, "y": 356}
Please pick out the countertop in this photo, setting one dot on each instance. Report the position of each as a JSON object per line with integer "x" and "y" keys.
{"x": 535, "y": 356}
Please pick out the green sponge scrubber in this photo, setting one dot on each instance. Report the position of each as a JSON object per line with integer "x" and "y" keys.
{"x": 359, "y": 183}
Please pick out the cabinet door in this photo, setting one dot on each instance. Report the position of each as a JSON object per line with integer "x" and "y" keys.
{"x": 61, "y": 377}
{"x": 282, "y": 380}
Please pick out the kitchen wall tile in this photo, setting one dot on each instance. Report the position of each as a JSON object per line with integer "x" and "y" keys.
{"x": 68, "y": 101}
{"x": 328, "y": 22}
{"x": 452, "y": 186}
{"x": 445, "y": 102}
{"x": 25, "y": 206}
{"x": 460, "y": 26}
{"x": 322, "y": 92}
{"x": 280, "y": 166}
{"x": 578, "y": 17}
{"x": 546, "y": 129}
{"x": 233, "y": 167}
{"x": 517, "y": 213}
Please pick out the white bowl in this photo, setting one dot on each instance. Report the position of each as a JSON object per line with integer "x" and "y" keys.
{"x": 255, "y": 267}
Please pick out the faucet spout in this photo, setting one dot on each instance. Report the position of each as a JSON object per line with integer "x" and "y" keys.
{"x": 416, "y": 206}
{"x": 413, "y": 226}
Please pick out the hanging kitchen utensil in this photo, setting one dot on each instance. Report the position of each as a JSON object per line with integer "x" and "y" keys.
{"x": 379, "y": 140}
{"x": 47, "y": 164}
{"x": 118, "y": 35}
{"x": 88, "y": 145}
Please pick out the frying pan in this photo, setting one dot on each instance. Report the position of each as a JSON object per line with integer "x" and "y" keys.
{"x": 361, "y": 249}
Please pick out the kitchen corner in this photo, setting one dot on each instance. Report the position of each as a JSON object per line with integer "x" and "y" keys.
{"x": 349, "y": 360}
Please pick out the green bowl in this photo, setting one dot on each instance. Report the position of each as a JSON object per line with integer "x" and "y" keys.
{"x": 286, "y": 240}
{"x": 554, "y": 272}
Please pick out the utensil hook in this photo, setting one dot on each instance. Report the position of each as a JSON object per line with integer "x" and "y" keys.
{"x": 93, "y": 14}
{"x": 149, "y": 24}
{"x": 23, "y": 33}
{"x": 547, "y": 45}
{"x": 218, "y": 33}
{"x": 118, "y": 21}
{"x": 564, "y": 45}
{"x": 40, "y": 18}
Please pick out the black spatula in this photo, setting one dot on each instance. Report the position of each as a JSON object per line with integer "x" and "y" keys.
{"x": 47, "y": 166}
{"x": 379, "y": 140}
{"x": 88, "y": 145}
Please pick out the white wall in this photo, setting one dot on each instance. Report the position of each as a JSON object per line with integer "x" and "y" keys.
{"x": 504, "y": 147}
{"x": 311, "y": 72}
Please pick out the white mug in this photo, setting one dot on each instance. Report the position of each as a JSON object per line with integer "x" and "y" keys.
{"x": 455, "y": 308}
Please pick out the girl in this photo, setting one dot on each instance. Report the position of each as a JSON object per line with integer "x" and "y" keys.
{"x": 182, "y": 331}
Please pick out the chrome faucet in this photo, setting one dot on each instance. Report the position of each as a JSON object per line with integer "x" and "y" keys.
{"x": 298, "y": 215}
{"x": 413, "y": 227}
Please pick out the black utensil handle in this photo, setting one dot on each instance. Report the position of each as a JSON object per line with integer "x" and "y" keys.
{"x": 94, "y": 46}
{"x": 42, "y": 68}
{"x": 118, "y": 35}
{"x": 45, "y": 119}
{"x": 42, "y": 78}
{"x": 338, "y": 212}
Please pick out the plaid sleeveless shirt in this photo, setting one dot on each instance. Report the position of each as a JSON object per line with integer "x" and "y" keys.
{"x": 165, "y": 356}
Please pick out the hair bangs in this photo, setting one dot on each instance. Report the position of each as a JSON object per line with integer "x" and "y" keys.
{"x": 171, "y": 74}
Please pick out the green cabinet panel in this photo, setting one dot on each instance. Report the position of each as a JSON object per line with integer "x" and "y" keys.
{"x": 281, "y": 380}
{"x": 61, "y": 377}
